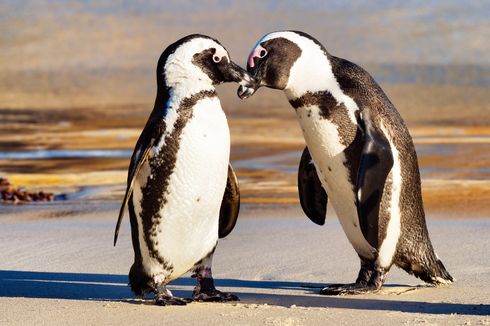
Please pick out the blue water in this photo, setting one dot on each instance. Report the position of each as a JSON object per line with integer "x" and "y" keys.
{"x": 65, "y": 153}
{"x": 278, "y": 162}
{"x": 285, "y": 162}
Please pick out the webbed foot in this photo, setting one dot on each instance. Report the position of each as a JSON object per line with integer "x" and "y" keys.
{"x": 362, "y": 285}
{"x": 348, "y": 289}
{"x": 213, "y": 295}
{"x": 166, "y": 300}
{"x": 164, "y": 297}
{"x": 205, "y": 291}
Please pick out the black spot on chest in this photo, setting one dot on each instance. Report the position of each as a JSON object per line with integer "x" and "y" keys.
{"x": 337, "y": 113}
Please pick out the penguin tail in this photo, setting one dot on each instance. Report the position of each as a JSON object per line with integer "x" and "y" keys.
{"x": 429, "y": 268}
{"x": 139, "y": 281}
{"x": 431, "y": 271}
{"x": 439, "y": 274}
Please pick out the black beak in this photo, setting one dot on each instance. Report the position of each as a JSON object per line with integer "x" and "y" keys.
{"x": 234, "y": 73}
{"x": 248, "y": 88}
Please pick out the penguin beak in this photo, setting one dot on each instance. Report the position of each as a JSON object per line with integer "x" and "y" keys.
{"x": 248, "y": 87}
{"x": 235, "y": 73}
{"x": 241, "y": 76}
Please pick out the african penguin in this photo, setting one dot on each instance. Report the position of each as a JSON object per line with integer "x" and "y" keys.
{"x": 359, "y": 154}
{"x": 182, "y": 192}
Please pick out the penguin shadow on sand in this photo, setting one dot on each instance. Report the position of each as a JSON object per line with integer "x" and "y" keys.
{"x": 109, "y": 287}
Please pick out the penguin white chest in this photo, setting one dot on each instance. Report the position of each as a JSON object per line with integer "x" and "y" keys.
{"x": 325, "y": 146}
{"x": 187, "y": 227}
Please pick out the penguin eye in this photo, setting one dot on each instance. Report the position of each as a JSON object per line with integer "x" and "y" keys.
{"x": 262, "y": 53}
{"x": 216, "y": 58}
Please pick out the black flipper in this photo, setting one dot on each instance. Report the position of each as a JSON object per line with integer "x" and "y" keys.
{"x": 375, "y": 165}
{"x": 143, "y": 149}
{"x": 230, "y": 206}
{"x": 312, "y": 196}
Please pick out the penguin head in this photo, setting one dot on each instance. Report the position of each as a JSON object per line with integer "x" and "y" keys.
{"x": 280, "y": 60}
{"x": 198, "y": 59}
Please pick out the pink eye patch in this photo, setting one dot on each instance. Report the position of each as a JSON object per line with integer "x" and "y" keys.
{"x": 255, "y": 53}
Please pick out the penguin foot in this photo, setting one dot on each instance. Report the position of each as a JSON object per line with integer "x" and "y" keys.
{"x": 370, "y": 280}
{"x": 166, "y": 300}
{"x": 349, "y": 289}
{"x": 205, "y": 291}
{"x": 164, "y": 297}
{"x": 214, "y": 295}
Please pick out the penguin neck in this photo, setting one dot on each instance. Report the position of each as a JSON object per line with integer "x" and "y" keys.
{"x": 310, "y": 69}
{"x": 185, "y": 78}
{"x": 185, "y": 88}
{"x": 174, "y": 103}
{"x": 171, "y": 94}
{"x": 312, "y": 74}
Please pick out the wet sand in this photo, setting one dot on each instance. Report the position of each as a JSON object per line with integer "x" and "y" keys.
{"x": 454, "y": 159}
{"x": 66, "y": 266}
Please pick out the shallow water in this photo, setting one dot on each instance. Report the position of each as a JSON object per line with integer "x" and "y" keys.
{"x": 265, "y": 175}
{"x": 65, "y": 154}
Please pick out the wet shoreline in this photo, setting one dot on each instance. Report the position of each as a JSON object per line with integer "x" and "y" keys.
{"x": 267, "y": 172}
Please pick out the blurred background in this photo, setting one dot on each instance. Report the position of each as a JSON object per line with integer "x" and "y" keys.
{"x": 77, "y": 83}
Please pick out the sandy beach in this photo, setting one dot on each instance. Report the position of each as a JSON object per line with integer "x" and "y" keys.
{"x": 64, "y": 269}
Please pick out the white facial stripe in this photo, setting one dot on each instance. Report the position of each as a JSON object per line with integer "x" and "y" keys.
{"x": 312, "y": 72}
{"x": 221, "y": 53}
{"x": 179, "y": 67}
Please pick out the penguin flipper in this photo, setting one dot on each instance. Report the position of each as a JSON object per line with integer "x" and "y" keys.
{"x": 230, "y": 206}
{"x": 133, "y": 173}
{"x": 312, "y": 196}
{"x": 375, "y": 164}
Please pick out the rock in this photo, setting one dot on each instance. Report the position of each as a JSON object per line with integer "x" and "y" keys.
{"x": 19, "y": 195}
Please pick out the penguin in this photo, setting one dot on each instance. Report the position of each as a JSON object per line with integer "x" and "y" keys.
{"x": 182, "y": 193}
{"x": 359, "y": 155}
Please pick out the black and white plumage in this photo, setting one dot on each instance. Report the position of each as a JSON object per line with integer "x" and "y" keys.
{"x": 182, "y": 193}
{"x": 362, "y": 155}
